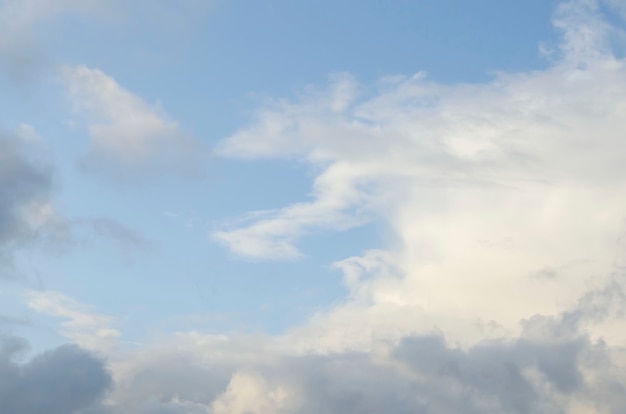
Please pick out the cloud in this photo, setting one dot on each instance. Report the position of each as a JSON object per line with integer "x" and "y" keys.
{"x": 550, "y": 368}
{"x": 60, "y": 381}
{"x": 128, "y": 137}
{"x": 21, "y": 21}
{"x": 89, "y": 330}
{"x": 553, "y": 366}
{"x": 480, "y": 185}
{"x": 28, "y": 217}
{"x": 26, "y": 25}
{"x": 26, "y": 212}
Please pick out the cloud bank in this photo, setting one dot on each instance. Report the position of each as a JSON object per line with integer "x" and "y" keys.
{"x": 551, "y": 367}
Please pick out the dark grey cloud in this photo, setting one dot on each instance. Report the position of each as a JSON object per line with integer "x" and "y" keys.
{"x": 64, "y": 380}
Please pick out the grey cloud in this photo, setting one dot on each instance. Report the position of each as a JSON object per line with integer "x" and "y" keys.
{"x": 495, "y": 372}
{"x": 422, "y": 374}
{"x": 61, "y": 381}
{"x": 426, "y": 375}
{"x": 553, "y": 364}
{"x": 23, "y": 185}
{"x": 27, "y": 217}
{"x": 169, "y": 384}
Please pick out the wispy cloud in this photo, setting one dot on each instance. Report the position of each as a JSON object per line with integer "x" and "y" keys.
{"x": 26, "y": 210}
{"x": 89, "y": 330}
{"x": 29, "y": 217}
{"x": 128, "y": 137}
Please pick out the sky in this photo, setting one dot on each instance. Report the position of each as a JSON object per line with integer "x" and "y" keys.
{"x": 272, "y": 206}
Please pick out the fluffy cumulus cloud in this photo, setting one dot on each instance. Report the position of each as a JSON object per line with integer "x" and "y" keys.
{"x": 128, "y": 137}
{"x": 494, "y": 192}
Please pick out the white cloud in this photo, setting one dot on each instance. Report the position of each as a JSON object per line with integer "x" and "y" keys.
{"x": 89, "y": 330}
{"x": 272, "y": 233}
{"x": 127, "y": 135}
{"x": 250, "y": 393}
{"x": 483, "y": 186}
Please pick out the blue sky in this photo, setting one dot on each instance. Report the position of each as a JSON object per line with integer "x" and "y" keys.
{"x": 217, "y": 206}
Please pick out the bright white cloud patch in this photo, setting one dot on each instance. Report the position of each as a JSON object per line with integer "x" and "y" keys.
{"x": 497, "y": 193}
{"x": 127, "y": 135}
{"x": 89, "y": 330}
